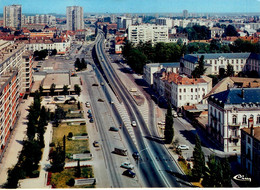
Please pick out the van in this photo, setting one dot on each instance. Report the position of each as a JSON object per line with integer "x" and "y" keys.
{"x": 121, "y": 151}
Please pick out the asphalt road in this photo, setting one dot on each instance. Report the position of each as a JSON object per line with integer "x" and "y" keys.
{"x": 156, "y": 164}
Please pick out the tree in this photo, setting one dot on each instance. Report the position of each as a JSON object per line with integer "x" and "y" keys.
{"x": 230, "y": 70}
{"x": 221, "y": 73}
{"x": 65, "y": 90}
{"x": 78, "y": 170}
{"x": 168, "y": 131}
{"x": 59, "y": 115}
{"x": 77, "y": 63}
{"x": 52, "y": 88}
{"x": 226, "y": 173}
{"x": 77, "y": 89}
{"x": 231, "y": 31}
{"x": 57, "y": 160}
{"x": 41, "y": 90}
{"x": 199, "y": 160}
{"x": 200, "y": 69}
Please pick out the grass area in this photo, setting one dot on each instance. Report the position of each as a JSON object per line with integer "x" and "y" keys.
{"x": 184, "y": 167}
{"x": 60, "y": 179}
{"x": 76, "y": 146}
{"x": 67, "y": 107}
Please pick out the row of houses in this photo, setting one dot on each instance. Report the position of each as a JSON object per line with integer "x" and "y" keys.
{"x": 229, "y": 112}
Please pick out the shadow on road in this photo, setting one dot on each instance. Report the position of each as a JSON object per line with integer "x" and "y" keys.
{"x": 156, "y": 139}
{"x": 20, "y": 142}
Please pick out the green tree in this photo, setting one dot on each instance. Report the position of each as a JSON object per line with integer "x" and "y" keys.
{"x": 65, "y": 90}
{"x": 226, "y": 172}
{"x": 77, "y": 64}
{"x": 199, "y": 160}
{"x": 77, "y": 89}
{"x": 14, "y": 174}
{"x": 231, "y": 31}
{"x": 168, "y": 131}
{"x": 41, "y": 90}
{"x": 200, "y": 69}
{"x": 52, "y": 88}
{"x": 230, "y": 70}
{"x": 57, "y": 160}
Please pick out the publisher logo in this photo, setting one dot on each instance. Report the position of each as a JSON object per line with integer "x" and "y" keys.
{"x": 240, "y": 177}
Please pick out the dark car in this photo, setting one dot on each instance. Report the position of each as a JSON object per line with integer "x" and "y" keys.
{"x": 90, "y": 115}
{"x": 113, "y": 129}
{"x": 91, "y": 120}
{"x": 89, "y": 111}
{"x": 129, "y": 173}
{"x": 136, "y": 155}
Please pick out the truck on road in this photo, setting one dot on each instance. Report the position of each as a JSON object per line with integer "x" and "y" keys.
{"x": 121, "y": 151}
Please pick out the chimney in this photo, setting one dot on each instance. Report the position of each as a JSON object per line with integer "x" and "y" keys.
{"x": 250, "y": 122}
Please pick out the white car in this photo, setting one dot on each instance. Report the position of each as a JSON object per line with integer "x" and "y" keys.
{"x": 127, "y": 165}
{"x": 133, "y": 123}
{"x": 87, "y": 104}
{"x": 183, "y": 147}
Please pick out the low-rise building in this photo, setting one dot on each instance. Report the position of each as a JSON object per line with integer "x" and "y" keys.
{"x": 216, "y": 32}
{"x": 151, "y": 68}
{"x": 250, "y": 150}
{"x": 213, "y": 62}
{"x": 174, "y": 38}
{"x": 229, "y": 112}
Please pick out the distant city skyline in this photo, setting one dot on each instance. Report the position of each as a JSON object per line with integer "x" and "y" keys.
{"x": 137, "y": 6}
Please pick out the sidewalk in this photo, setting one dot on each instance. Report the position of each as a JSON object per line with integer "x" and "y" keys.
{"x": 15, "y": 145}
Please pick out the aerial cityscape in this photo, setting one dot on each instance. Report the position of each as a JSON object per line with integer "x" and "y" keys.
{"x": 129, "y": 94}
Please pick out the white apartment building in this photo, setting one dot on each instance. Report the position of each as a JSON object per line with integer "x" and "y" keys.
{"x": 13, "y": 16}
{"x": 151, "y": 68}
{"x": 41, "y": 19}
{"x": 216, "y": 32}
{"x": 75, "y": 18}
{"x": 165, "y": 22}
{"x": 147, "y": 32}
{"x": 127, "y": 22}
{"x": 181, "y": 90}
{"x": 213, "y": 62}
{"x": 228, "y": 112}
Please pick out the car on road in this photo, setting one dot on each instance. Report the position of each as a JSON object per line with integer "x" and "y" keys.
{"x": 89, "y": 115}
{"x": 133, "y": 123}
{"x": 113, "y": 128}
{"x": 136, "y": 155}
{"x": 174, "y": 114}
{"x": 180, "y": 114}
{"x": 87, "y": 104}
{"x": 127, "y": 165}
{"x": 91, "y": 120}
{"x": 102, "y": 83}
{"x": 129, "y": 173}
{"x": 89, "y": 111}
{"x": 96, "y": 144}
{"x": 183, "y": 147}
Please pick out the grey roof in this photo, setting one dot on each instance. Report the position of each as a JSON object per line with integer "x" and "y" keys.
{"x": 193, "y": 58}
{"x": 234, "y": 96}
{"x": 175, "y": 64}
{"x": 254, "y": 56}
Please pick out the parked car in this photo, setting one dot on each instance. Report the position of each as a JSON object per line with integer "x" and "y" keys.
{"x": 180, "y": 114}
{"x": 127, "y": 165}
{"x": 183, "y": 147}
{"x": 91, "y": 120}
{"x": 133, "y": 123}
{"x": 174, "y": 114}
{"x": 96, "y": 144}
{"x": 113, "y": 128}
{"x": 89, "y": 111}
{"x": 136, "y": 155}
{"x": 87, "y": 104}
{"x": 90, "y": 115}
{"x": 129, "y": 173}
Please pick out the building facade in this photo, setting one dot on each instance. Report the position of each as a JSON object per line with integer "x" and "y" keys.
{"x": 214, "y": 61}
{"x": 228, "y": 112}
{"x": 15, "y": 81}
{"x": 13, "y": 16}
{"x": 75, "y": 18}
{"x": 147, "y": 32}
{"x": 250, "y": 151}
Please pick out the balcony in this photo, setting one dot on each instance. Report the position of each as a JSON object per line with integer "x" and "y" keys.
{"x": 233, "y": 137}
{"x": 238, "y": 124}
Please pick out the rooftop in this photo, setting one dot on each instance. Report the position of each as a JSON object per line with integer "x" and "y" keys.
{"x": 237, "y": 96}
{"x": 181, "y": 80}
{"x": 194, "y": 57}
{"x": 176, "y": 64}
{"x": 256, "y": 132}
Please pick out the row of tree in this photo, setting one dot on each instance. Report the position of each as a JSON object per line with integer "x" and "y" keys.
{"x": 30, "y": 156}
{"x": 143, "y": 53}
{"x": 80, "y": 65}
{"x": 65, "y": 89}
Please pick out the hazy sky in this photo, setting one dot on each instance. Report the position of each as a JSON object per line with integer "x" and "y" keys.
{"x": 136, "y": 6}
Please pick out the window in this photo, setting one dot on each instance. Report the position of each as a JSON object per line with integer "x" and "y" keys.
{"x": 180, "y": 97}
{"x": 258, "y": 119}
{"x": 196, "y": 90}
{"x": 244, "y": 119}
{"x": 180, "y": 90}
{"x": 248, "y": 140}
{"x": 234, "y": 119}
{"x": 191, "y": 97}
{"x": 191, "y": 90}
{"x": 184, "y": 90}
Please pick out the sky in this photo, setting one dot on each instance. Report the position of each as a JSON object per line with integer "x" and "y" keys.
{"x": 137, "y": 6}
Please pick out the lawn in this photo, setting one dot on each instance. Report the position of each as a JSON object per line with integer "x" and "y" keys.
{"x": 67, "y": 107}
{"x": 60, "y": 179}
{"x": 184, "y": 167}
{"x": 72, "y": 146}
